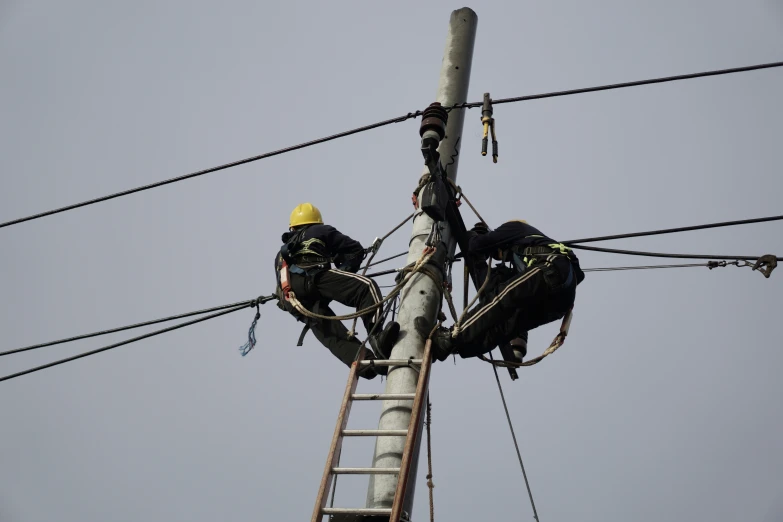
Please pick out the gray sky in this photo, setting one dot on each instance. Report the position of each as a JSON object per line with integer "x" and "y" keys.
{"x": 664, "y": 403}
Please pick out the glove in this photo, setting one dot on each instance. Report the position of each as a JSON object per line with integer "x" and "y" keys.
{"x": 480, "y": 228}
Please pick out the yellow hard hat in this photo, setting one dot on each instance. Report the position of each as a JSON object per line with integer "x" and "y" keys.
{"x": 305, "y": 214}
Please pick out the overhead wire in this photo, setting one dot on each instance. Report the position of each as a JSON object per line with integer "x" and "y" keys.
{"x": 127, "y": 341}
{"x": 675, "y": 256}
{"x": 124, "y": 328}
{"x": 673, "y": 230}
{"x": 383, "y": 123}
{"x": 250, "y": 303}
{"x": 212, "y": 169}
{"x": 612, "y": 86}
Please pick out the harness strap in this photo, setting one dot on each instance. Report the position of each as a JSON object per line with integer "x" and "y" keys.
{"x": 302, "y": 335}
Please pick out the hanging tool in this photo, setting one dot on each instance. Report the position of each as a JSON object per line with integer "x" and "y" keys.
{"x": 489, "y": 125}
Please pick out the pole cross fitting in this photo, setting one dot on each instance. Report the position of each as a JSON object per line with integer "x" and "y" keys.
{"x": 489, "y": 125}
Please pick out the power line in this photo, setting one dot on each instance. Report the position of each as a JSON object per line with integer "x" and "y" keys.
{"x": 674, "y": 230}
{"x": 622, "y": 85}
{"x": 123, "y": 328}
{"x": 676, "y": 256}
{"x": 212, "y": 169}
{"x": 250, "y": 303}
{"x": 398, "y": 119}
{"x": 128, "y": 341}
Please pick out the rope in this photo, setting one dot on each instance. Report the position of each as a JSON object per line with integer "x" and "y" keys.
{"x": 360, "y": 351}
{"x": 450, "y": 302}
{"x": 514, "y": 437}
{"x": 430, "y": 484}
{"x": 558, "y": 341}
{"x": 457, "y": 325}
{"x": 352, "y": 331}
{"x": 134, "y": 339}
{"x": 251, "y": 334}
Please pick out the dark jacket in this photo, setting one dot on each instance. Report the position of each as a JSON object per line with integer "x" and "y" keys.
{"x": 320, "y": 245}
{"x": 514, "y": 233}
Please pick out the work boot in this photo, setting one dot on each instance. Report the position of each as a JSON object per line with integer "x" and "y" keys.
{"x": 442, "y": 344}
{"x": 371, "y": 372}
{"x": 383, "y": 342}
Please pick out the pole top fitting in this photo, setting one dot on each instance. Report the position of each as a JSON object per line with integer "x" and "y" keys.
{"x": 434, "y": 119}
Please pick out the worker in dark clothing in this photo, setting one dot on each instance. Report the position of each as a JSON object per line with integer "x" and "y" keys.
{"x": 308, "y": 252}
{"x": 538, "y": 288}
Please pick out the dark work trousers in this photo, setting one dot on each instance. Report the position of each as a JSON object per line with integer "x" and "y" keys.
{"x": 542, "y": 294}
{"x": 317, "y": 291}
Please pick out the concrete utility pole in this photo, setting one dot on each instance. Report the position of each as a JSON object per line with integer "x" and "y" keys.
{"x": 422, "y": 296}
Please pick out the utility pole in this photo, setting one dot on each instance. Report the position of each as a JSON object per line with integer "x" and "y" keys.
{"x": 422, "y": 296}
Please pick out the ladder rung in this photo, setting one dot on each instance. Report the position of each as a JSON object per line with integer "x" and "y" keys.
{"x": 391, "y": 362}
{"x": 383, "y": 396}
{"x": 365, "y": 471}
{"x": 356, "y": 511}
{"x": 375, "y": 433}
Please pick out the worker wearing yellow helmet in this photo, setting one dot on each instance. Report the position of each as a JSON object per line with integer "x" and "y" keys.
{"x": 321, "y": 265}
{"x": 538, "y": 287}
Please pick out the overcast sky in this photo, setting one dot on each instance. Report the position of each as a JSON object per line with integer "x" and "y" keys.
{"x": 664, "y": 404}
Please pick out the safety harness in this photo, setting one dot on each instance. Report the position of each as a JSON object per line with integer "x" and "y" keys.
{"x": 524, "y": 258}
{"x": 303, "y": 257}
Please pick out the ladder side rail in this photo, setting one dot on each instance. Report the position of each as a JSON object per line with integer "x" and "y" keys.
{"x": 422, "y": 391}
{"x": 337, "y": 441}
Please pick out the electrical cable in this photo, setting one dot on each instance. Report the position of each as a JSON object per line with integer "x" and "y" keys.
{"x": 620, "y": 85}
{"x": 128, "y": 341}
{"x": 676, "y": 256}
{"x": 673, "y": 230}
{"x": 213, "y": 169}
{"x": 398, "y": 119}
{"x": 123, "y": 328}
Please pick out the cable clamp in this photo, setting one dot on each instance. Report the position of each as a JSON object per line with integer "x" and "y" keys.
{"x": 766, "y": 264}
